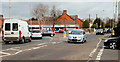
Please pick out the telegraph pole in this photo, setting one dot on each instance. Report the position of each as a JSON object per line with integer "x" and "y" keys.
{"x": 10, "y": 9}
{"x": 116, "y": 12}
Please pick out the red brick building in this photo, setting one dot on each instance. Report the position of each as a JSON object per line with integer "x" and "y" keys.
{"x": 63, "y": 21}
{"x": 68, "y": 18}
{"x": 1, "y": 21}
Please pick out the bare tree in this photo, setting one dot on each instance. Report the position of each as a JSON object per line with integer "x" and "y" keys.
{"x": 39, "y": 12}
{"x": 54, "y": 13}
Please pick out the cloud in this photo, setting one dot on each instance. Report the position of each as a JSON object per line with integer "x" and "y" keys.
{"x": 82, "y": 9}
{"x": 60, "y": 0}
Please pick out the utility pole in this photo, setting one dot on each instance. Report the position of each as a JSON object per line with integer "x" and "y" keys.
{"x": 89, "y": 22}
{"x": 116, "y": 12}
{"x": 89, "y": 18}
{"x": 96, "y": 16}
{"x": 10, "y": 9}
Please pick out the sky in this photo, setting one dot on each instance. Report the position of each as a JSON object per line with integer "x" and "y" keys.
{"x": 21, "y": 9}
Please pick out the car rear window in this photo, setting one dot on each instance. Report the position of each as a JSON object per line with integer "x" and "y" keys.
{"x": 15, "y": 27}
{"x": 7, "y": 26}
{"x": 36, "y": 31}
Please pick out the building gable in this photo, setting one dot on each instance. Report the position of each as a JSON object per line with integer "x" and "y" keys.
{"x": 64, "y": 17}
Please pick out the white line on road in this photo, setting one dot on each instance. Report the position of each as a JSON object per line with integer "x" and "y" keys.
{"x": 100, "y": 53}
{"x": 5, "y": 53}
{"x": 18, "y": 52}
{"x": 36, "y": 47}
{"x": 93, "y": 51}
{"x": 41, "y": 43}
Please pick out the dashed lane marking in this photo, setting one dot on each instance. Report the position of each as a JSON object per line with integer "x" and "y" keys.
{"x": 41, "y": 44}
{"x": 95, "y": 49}
{"x": 100, "y": 53}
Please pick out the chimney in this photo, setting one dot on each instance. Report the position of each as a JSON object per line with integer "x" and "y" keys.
{"x": 76, "y": 16}
{"x": 1, "y": 16}
{"x": 64, "y": 11}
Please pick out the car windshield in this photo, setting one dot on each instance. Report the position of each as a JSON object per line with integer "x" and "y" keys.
{"x": 76, "y": 32}
{"x": 36, "y": 31}
{"x": 99, "y": 30}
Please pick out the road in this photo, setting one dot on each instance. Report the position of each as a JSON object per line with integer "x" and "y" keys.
{"x": 57, "y": 48}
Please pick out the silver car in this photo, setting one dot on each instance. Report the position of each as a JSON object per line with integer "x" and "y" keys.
{"x": 77, "y": 35}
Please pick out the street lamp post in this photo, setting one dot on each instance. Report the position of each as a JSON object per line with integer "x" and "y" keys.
{"x": 10, "y": 9}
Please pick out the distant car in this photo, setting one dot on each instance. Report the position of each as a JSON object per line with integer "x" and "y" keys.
{"x": 100, "y": 31}
{"x": 106, "y": 31}
{"x": 112, "y": 43}
{"x": 48, "y": 33}
{"x": 36, "y": 34}
{"x": 61, "y": 31}
{"x": 77, "y": 35}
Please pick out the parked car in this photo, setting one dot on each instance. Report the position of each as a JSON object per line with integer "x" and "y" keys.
{"x": 112, "y": 43}
{"x": 36, "y": 34}
{"x": 100, "y": 31}
{"x": 77, "y": 35}
{"x": 48, "y": 33}
{"x": 106, "y": 31}
{"x": 61, "y": 31}
{"x": 15, "y": 30}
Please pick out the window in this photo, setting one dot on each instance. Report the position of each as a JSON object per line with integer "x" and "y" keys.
{"x": 15, "y": 27}
{"x": 7, "y": 26}
{"x": 76, "y": 32}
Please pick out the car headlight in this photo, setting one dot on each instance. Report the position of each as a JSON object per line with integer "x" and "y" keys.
{"x": 80, "y": 37}
{"x": 106, "y": 40}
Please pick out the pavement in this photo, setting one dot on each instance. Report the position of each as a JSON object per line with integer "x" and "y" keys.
{"x": 57, "y": 48}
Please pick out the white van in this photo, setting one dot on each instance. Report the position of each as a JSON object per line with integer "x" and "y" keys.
{"x": 15, "y": 30}
{"x": 77, "y": 35}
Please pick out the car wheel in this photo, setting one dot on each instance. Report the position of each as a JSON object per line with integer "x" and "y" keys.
{"x": 22, "y": 41}
{"x": 30, "y": 39}
{"x": 40, "y": 37}
{"x": 112, "y": 45}
{"x": 85, "y": 41}
{"x": 6, "y": 42}
{"x": 68, "y": 41}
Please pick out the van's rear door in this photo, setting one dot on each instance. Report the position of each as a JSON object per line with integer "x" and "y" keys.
{"x": 7, "y": 29}
{"x": 15, "y": 31}
{"x": 11, "y": 30}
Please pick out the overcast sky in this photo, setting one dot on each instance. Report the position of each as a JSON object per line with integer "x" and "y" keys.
{"x": 82, "y": 8}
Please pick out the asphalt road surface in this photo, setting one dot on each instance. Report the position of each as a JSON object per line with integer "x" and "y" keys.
{"x": 57, "y": 48}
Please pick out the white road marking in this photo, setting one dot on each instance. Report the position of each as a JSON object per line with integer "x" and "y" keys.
{"x": 93, "y": 51}
{"x": 53, "y": 42}
{"x": 19, "y": 52}
{"x": 41, "y": 43}
{"x": 36, "y": 47}
{"x": 100, "y": 53}
{"x": 5, "y": 53}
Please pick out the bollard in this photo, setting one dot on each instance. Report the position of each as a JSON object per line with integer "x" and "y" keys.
{"x": 64, "y": 34}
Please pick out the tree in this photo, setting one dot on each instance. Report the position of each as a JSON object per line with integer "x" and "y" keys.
{"x": 85, "y": 24}
{"x": 109, "y": 23}
{"x": 55, "y": 13}
{"x": 39, "y": 12}
{"x": 118, "y": 25}
{"x": 94, "y": 26}
{"x": 99, "y": 23}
